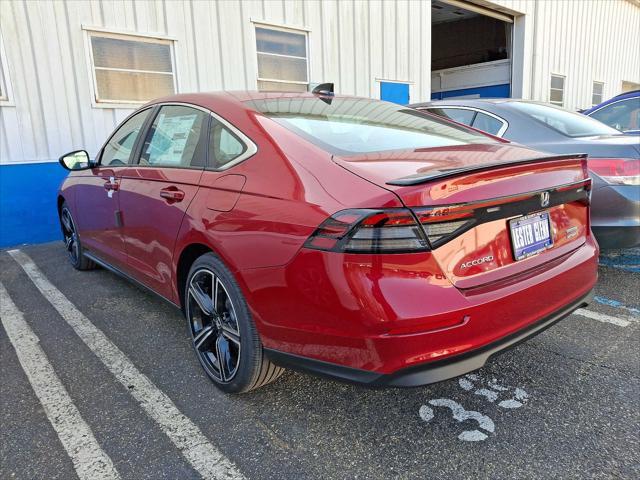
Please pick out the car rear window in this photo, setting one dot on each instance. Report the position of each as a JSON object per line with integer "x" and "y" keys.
{"x": 568, "y": 123}
{"x": 350, "y": 126}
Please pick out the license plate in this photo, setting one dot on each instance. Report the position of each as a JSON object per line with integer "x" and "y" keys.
{"x": 530, "y": 235}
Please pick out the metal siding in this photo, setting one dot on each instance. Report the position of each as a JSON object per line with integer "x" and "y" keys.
{"x": 585, "y": 40}
{"x": 354, "y": 43}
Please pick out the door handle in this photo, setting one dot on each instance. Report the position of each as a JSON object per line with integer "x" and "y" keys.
{"x": 111, "y": 184}
{"x": 172, "y": 194}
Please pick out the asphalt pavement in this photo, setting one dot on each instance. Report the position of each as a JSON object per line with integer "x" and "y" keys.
{"x": 565, "y": 404}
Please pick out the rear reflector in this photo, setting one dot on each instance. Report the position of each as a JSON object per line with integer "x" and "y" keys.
{"x": 617, "y": 171}
{"x": 369, "y": 231}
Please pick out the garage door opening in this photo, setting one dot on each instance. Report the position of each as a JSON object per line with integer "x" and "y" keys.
{"x": 471, "y": 51}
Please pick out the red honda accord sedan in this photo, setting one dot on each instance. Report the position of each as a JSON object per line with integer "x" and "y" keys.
{"x": 344, "y": 236}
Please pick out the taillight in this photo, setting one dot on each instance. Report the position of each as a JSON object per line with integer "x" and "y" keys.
{"x": 617, "y": 171}
{"x": 441, "y": 224}
{"x": 369, "y": 231}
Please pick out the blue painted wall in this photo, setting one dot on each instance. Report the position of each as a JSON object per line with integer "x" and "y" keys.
{"x": 491, "y": 91}
{"x": 395, "y": 92}
{"x": 28, "y": 211}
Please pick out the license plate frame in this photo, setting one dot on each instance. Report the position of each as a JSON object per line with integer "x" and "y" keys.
{"x": 529, "y": 249}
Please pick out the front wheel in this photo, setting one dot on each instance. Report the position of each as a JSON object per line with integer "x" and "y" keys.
{"x": 72, "y": 241}
{"x": 224, "y": 336}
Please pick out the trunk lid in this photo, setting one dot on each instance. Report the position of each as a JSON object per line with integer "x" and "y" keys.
{"x": 485, "y": 207}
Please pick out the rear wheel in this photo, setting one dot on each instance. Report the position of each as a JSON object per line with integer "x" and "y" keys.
{"x": 224, "y": 336}
{"x": 72, "y": 241}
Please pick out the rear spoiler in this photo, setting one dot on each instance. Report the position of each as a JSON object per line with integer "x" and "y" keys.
{"x": 418, "y": 178}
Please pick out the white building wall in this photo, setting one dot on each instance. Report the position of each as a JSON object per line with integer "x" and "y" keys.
{"x": 584, "y": 40}
{"x": 353, "y": 44}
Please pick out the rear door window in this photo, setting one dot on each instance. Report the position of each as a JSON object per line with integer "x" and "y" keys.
{"x": 175, "y": 138}
{"x": 487, "y": 123}
{"x": 460, "y": 115}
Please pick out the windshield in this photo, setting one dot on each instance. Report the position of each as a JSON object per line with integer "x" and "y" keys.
{"x": 350, "y": 126}
{"x": 568, "y": 123}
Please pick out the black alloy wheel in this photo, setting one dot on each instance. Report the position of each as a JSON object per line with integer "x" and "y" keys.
{"x": 224, "y": 335}
{"x": 72, "y": 241}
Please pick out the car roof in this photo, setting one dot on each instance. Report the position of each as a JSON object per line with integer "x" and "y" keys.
{"x": 240, "y": 98}
{"x": 472, "y": 102}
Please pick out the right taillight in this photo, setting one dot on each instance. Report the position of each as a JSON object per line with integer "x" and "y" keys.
{"x": 369, "y": 231}
{"x": 617, "y": 171}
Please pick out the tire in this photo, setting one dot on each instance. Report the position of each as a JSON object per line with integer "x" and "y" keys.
{"x": 224, "y": 329}
{"x": 72, "y": 241}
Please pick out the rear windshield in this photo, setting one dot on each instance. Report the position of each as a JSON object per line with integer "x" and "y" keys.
{"x": 568, "y": 123}
{"x": 350, "y": 126}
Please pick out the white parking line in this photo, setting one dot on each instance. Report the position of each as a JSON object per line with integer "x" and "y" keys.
{"x": 89, "y": 460}
{"x": 601, "y": 317}
{"x": 184, "y": 434}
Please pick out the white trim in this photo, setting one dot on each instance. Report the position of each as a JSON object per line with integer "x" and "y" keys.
{"x": 297, "y": 82}
{"x": 27, "y": 162}
{"x": 131, "y": 70}
{"x": 278, "y": 26}
{"x": 478, "y": 9}
{"x": 139, "y": 37}
{"x": 388, "y": 80}
{"x": 128, "y": 33}
{"x": 7, "y": 99}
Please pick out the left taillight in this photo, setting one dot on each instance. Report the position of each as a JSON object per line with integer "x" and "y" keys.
{"x": 369, "y": 231}
{"x": 616, "y": 171}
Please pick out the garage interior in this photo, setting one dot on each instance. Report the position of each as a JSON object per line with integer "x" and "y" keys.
{"x": 479, "y": 66}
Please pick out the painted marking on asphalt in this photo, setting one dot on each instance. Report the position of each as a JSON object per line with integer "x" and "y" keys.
{"x": 89, "y": 460}
{"x": 460, "y": 414}
{"x": 628, "y": 260}
{"x": 494, "y": 391}
{"x": 601, "y": 317}
{"x": 615, "y": 303}
{"x": 184, "y": 434}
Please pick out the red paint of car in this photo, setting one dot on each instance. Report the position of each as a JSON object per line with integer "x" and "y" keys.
{"x": 402, "y": 318}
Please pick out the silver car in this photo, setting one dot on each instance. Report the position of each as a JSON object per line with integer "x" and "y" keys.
{"x": 614, "y": 158}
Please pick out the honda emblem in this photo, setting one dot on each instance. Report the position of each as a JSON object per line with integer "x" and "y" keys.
{"x": 544, "y": 199}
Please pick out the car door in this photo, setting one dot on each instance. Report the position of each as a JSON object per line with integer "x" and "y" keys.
{"x": 97, "y": 197}
{"x": 157, "y": 189}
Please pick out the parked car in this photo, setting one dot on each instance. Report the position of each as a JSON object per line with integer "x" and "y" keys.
{"x": 621, "y": 112}
{"x": 344, "y": 236}
{"x": 614, "y": 158}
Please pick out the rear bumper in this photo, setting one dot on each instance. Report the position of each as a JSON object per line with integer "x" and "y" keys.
{"x": 615, "y": 215}
{"x": 617, "y": 237}
{"x": 430, "y": 372}
{"x": 394, "y": 313}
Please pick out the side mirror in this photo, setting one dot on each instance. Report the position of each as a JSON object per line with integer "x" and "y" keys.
{"x": 77, "y": 160}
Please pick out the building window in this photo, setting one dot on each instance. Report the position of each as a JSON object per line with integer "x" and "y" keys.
{"x": 131, "y": 69}
{"x": 282, "y": 59}
{"x": 556, "y": 91}
{"x": 4, "y": 81}
{"x": 3, "y": 89}
{"x": 596, "y": 95}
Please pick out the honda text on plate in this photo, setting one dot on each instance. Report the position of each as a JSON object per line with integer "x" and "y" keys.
{"x": 344, "y": 236}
